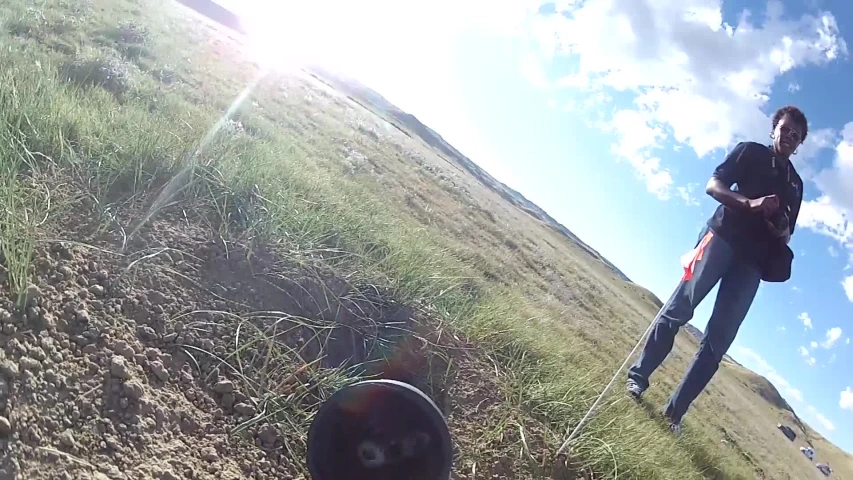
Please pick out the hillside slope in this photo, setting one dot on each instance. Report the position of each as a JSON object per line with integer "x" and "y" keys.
{"x": 784, "y": 414}
{"x": 196, "y": 252}
{"x": 411, "y": 125}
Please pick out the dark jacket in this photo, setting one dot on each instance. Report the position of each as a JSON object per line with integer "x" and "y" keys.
{"x": 756, "y": 172}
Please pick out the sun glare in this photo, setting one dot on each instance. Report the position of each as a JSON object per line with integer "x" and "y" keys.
{"x": 290, "y": 34}
{"x": 382, "y": 43}
{"x": 276, "y": 33}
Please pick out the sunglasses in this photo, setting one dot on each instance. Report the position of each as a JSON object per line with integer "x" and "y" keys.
{"x": 789, "y": 133}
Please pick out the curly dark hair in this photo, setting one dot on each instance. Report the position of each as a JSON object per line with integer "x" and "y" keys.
{"x": 796, "y": 115}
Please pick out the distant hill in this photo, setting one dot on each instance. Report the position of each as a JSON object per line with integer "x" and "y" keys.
{"x": 216, "y": 12}
{"x": 767, "y": 391}
{"x": 693, "y": 331}
{"x": 698, "y": 334}
{"x": 410, "y": 125}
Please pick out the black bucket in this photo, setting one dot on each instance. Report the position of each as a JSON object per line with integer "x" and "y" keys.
{"x": 379, "y": 430}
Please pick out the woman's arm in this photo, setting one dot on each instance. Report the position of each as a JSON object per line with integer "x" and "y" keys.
{"x": 723, "y": 193}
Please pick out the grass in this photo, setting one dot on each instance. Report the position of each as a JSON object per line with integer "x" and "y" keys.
{"x": 126, "y": 99}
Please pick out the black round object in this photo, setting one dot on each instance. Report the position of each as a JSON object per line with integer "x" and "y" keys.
{"x": 379, "y": 430}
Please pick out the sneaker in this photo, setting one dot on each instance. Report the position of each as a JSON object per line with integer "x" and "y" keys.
{"x": 634, "y": 389}
{"x": 675, "y": 428}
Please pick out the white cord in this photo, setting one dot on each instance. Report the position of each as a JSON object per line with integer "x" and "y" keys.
{"x": 615, "y": 375}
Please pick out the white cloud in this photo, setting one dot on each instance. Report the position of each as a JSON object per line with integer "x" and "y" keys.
{"x": 832, "y": 336}
{"x": 813, "y": 344}
{"x": 846, "y": 401}
{"x": 827, "y": 216}
{"x": 687, "y": 194}
{"x": 793, "y": 87}
{"x": 695, "y": 79}
{"x": 817, "y": 141}
{"x": 821, "y": 419}
{"x": 780, "y": 329}
{"x": 797, "y": 289}
{"x": 833, "y": 252}
{"x": 847, "y": 283}
{"x": 830, "y": 214}
{"x": 533, "y": 71}
{"x": 807, "y": 321}
{"x": 811, "y": 361}
{"x": 756, "y": 363}
{"x": 804, "y": 351}
{"x": 637, "y": 137}
{"x": 847, "y": 341}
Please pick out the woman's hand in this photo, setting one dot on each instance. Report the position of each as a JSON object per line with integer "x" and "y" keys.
{"x": 765, "y": 205}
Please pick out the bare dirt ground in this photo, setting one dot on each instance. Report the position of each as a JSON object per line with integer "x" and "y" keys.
{"x": 312, "y": 245}
{"x": 144, "y": 364}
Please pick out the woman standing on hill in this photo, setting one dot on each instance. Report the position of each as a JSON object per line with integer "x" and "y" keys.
{"x": 744, "y": 242}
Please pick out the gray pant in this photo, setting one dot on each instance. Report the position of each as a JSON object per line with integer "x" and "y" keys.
{"x": 739, "y": 282}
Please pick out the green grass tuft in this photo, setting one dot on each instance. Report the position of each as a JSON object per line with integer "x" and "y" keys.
{"x": 121, "y": 104}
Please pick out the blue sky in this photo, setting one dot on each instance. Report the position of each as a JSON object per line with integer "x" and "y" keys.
{"x": 611, "y": 115}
